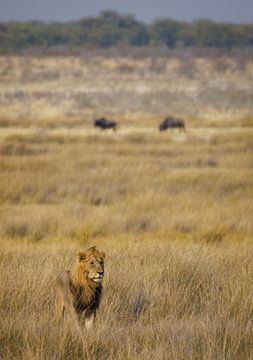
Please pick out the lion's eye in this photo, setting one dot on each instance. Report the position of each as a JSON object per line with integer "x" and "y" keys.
{"x": 92, "y": 263}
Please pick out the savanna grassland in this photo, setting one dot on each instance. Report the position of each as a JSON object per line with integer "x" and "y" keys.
{"x": 172, "y": 210}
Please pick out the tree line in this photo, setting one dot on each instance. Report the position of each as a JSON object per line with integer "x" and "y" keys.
{"x": 110, "y": 29}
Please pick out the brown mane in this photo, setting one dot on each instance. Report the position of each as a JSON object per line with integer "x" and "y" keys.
{"x": 87, "y": 291}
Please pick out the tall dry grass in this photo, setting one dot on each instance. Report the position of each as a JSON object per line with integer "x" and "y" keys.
{"x": 175, "y": 219}
{"x": 173, "y": 210}
{"x": 162, "y": 300}
{"x": 87, "y": 185}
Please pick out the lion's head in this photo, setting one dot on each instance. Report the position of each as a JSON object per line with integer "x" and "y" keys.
{"x": 90, "y": 264}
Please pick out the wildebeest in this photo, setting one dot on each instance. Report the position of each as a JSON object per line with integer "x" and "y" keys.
{"x": 105, "y": 124}
{"x": 171, "y": 123}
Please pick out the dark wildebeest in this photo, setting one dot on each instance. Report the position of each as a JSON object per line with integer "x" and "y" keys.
{"x": 105, "y": 124}
{"x": 171, "y": 123}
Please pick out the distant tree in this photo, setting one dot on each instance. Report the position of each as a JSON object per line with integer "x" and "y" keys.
{"x": 210, "y": 34}
{"x": 165, "y": 31}
{"x": 186, "y": 36}
{"x": 3, "y": 35}
{"x": 243, "y": 35}
{"x": 110, "y": 28}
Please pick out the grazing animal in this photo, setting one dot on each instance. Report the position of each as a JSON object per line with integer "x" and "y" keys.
{"x": 105, "y": 124}
{"x": 171, "y": 123}
{"x": 79, "y": 290}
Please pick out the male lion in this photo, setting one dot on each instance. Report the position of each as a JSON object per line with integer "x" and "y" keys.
{"x": 79, "y": 290}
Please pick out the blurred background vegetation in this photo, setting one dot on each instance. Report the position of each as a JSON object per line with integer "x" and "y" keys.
{"x": 110, "y": 28}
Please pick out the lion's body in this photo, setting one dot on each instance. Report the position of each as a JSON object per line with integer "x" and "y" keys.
{"x": 79, "y": 290}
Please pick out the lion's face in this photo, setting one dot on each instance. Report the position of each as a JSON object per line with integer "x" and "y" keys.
{"x": 91, "y": 263}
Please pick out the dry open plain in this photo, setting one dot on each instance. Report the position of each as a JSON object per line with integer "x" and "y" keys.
{"x": 173, "y": 211}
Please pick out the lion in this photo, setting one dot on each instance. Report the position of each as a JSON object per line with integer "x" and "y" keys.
{"x": 79, "y": 290}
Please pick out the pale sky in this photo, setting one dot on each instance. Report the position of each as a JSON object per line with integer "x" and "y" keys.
{"x": 238, "y": 11}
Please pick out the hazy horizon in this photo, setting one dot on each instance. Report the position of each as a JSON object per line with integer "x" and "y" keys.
{"x": 232, "y": 11}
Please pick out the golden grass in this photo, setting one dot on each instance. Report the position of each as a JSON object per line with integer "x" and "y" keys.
{"x": 172, "y": 210}
{"x": 72, "y": 91}
{"x": 175, "y": 218}
{"x": 162, "y": 300}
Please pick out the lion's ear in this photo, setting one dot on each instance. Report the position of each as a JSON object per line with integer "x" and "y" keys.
{"x": 92, "y": 249}
{"x": 81, "y": 256}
